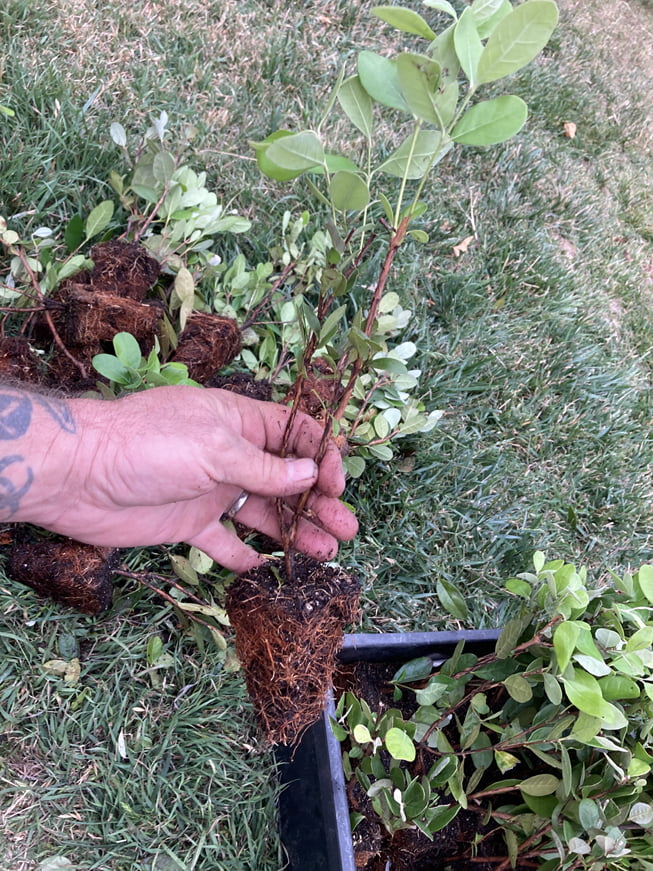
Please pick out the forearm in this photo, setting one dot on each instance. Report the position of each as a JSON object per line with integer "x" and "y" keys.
{"x": 38, "y": 435}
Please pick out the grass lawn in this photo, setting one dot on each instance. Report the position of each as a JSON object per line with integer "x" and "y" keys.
{"x": 535, "y": 341}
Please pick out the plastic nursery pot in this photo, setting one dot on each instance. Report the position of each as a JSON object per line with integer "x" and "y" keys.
{"x": 313, "y": 807}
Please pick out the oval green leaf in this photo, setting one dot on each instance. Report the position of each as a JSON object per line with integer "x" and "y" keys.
{"x": 356, "y": 103}
{"x": 362, "y": 734}
{"x": 379, "y": 77}
{"x": 441, "y": 6}
{"x": 488, "y": 13}
{"x": 518, "y": 688}
{"x": 517, "y": 39}
{"x": 468, "y": 45}
{"x": 127, "y": 350}
{"x": 297, "y": 152}
{"x": 414, "y": 156}
{"x": 583, "y": 691}
{"x": 419, "y": 77}
{"x": 98, "y": 219}
{"x": 399, "y": 745}
{"x": 645, "y": 580}
{"x": 349, "y": 193}
{"x": 404, "y": 19}
{"x": 163, "y": 167}
{"x": 266, "y": 166}
{"x": 618, "y": 686}
{"x": 452, "y": 599}
{"x": 564, "y": 642}
{"x": 491, "y": 121}
{"x": 111, "y": 368}
{"x": 540, "y": 784}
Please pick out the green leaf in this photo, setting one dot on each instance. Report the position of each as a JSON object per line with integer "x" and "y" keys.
{"x": 517, "y": 39}
{"x": 491, "y": 121}
{"x": 74, "y": 234}
{"x": 552, "y": 688}
{"x": 354, "y": 466}
{"x": 163, "y": 167}
{"x": 404, "y": 19}
{"x": 443, "y": 50}
{"x": 440, "y": 817}
{"x": 589, "y": 814}
{"x": 446, "y": 101}
{"x": 594, "y": 666}
{"x": 111, "y": 367}
{"x": 356, "y": 103}
{"x": 330, "y": 325}
{"x": 127, "y": 350}
{"x": 565, "y": 637}
{"x": 415, "y": 669}
{"x": 584, "y": 692}
{"x": 349, "y": 193}
{"x": 297, "y": 152}
{"x": 154, "y": 649}
{"x": 540, "y": 784}
{"x": 183, "y": 569}
{"x": 381, "y": 452}
{"x": 645, "y": 579}
{"x": 510, "y": 635}
{"x": 379, "y": 77}
{"x": 505, "y": 761}
{"x": 518, "y": 688}
{"x": 266, "y": 166}
{"x": 361, "y": 733}
{"x": 420, "y": 77}
{"x": 98, "y": 219}
{"x": 399, "y": 745}
{"x": 200, "y": 561}
{"x": 414, "y": 156}
{"x": 618, "y": 686}
{"x": 441, "y": 6}
{"x": 118, "y": 134}
{"x": 641, "y": 813}
{"x": 72, "y": 266}
{"x": 451, "y": 598}
{"x": 519, "y": 587}
{"x": 488, "y": 13}
{"x": 469, "y": 47}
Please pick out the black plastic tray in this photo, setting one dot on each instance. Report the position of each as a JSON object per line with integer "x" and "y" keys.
{"x": 313, "y": 809}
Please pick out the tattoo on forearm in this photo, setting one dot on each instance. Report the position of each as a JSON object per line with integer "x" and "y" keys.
{"x": 16, "y": 410}
{"x": 10, "y": 493}
{"x": 59, "y": 411}
{"x": 15, "y": 415}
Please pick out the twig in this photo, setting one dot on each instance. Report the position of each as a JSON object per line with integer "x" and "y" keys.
{"x": 191, "y": 615}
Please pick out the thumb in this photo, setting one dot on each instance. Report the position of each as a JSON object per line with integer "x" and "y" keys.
{"x": 266, "y": 474}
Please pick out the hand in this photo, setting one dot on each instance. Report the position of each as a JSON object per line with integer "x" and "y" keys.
{"x": 164, "y": 466}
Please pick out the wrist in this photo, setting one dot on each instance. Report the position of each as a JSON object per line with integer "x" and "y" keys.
{"x": 38, "y": 435}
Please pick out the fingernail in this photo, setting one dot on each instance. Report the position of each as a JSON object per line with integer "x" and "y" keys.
{"x": 301, "y": 471}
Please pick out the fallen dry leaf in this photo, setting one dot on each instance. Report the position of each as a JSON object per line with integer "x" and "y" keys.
{"x": 570, "y": 129}
{"x": 462, "y": 247}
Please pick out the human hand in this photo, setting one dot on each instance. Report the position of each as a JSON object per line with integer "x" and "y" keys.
{"x": 165, "y": 465}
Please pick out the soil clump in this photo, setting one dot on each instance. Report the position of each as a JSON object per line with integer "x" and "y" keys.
{"x": 287, "y": 638}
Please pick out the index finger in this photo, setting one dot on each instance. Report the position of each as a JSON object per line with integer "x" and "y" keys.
{"x": 264, "y": 424}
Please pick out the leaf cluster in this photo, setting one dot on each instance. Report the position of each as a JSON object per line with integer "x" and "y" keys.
{"x": 128, "y": 371}
{"x": 549, "y": 736}
{"x": 430, "y": 95}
